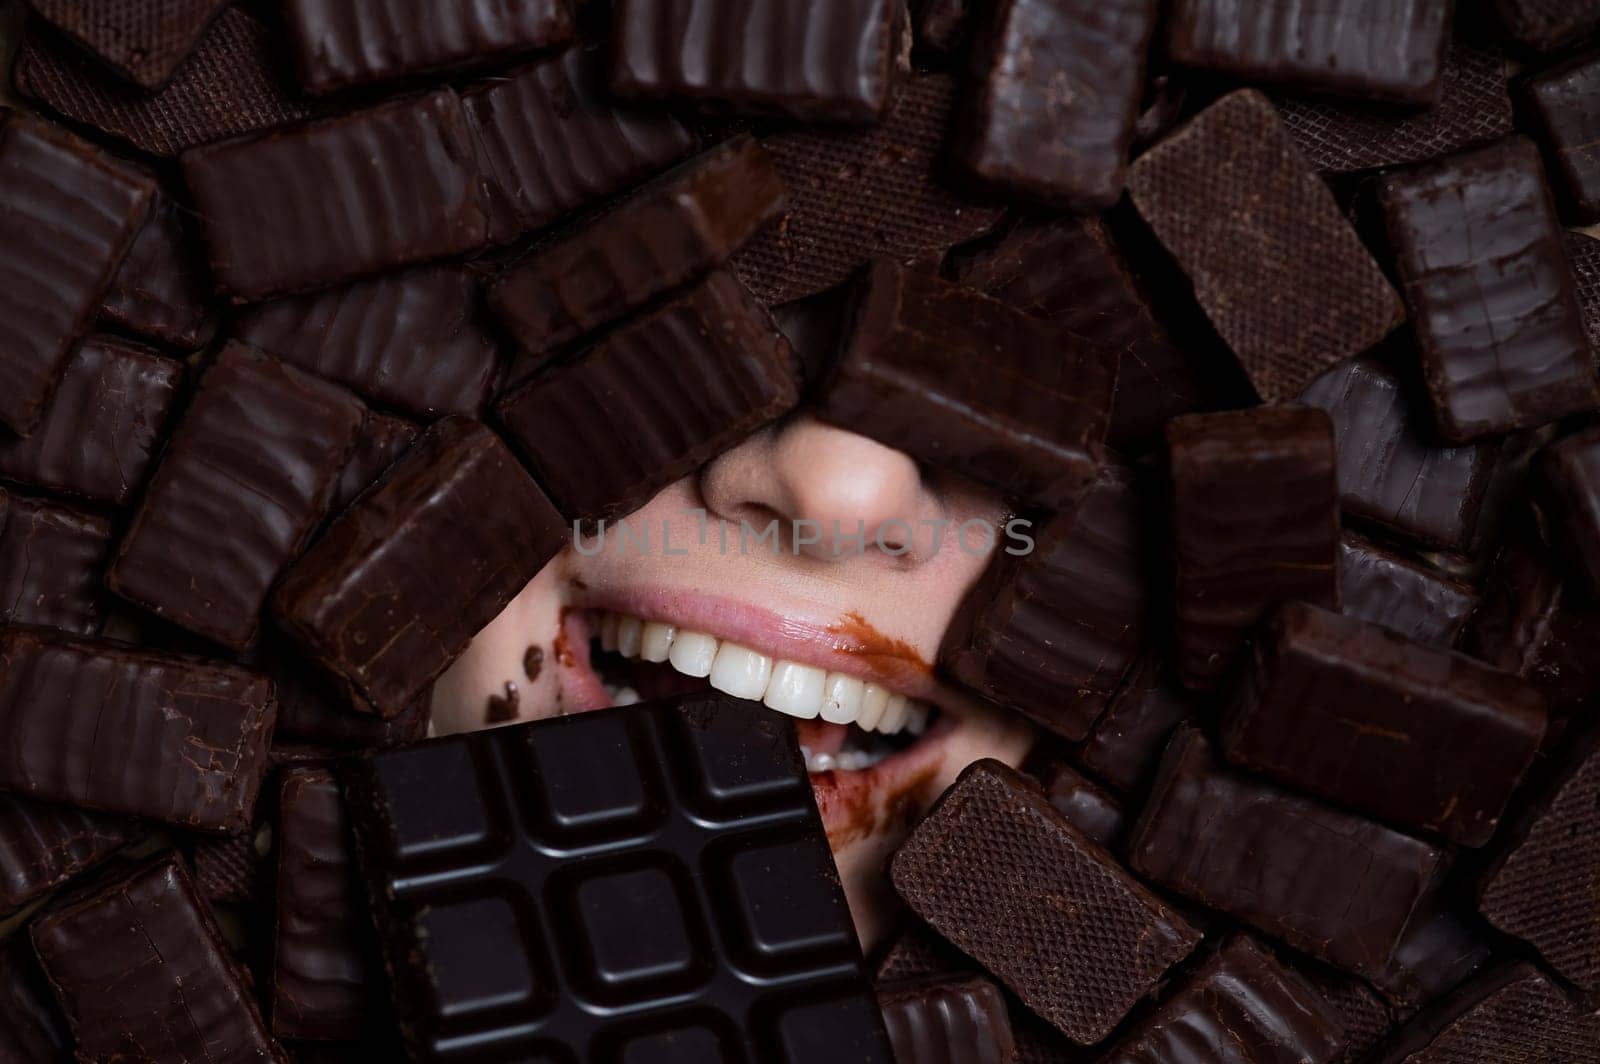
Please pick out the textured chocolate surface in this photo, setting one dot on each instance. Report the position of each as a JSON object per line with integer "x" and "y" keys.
{"x": 370, "y": 603}
{"x": 1255, "y": 522}
{"x": 1364, "y": 1016}
{"x": 1094, "y": 812}
{"x": 342, "y": 43}
{"x": 413, "y": 340}
{"x": 1325, "y": 881}
{"x": 44, "y": 844}
{"x": 1511, "y": 1013}
{"x": 948, "y": 1021}
{"x": 1584, "y": 253}
{"x": 1496, "y": 357}
{"x": 259, "y": 451}
{"x": 32, "y": 1030}
{"x": 143, "y": 41}
{"x": 227, "y": 868}
{"x": 835, "y": 65}
{"x": 335, "y": 201}
{"x": 71, "y": 214}
{"x": 1055, "y": 90}
{"x": 965, "y": 382}
{"x": 1001, "y": 874}
{"x": 1561, "y": 103}
{"x": 717, "y": 369}
{"x": 96, "y": 439}
{"x": 162, "y": 293}
{"x": 1547, "y": 25}
{"x": 381, "y": 443}
{"x": 665, "y": 235}
{"x": 1051, "y": 633}
{"x": 1403, "y": 595}
{"x": 1569, "y": 474}
{"x": 143, "y": 974}
{"x": 53, "y": 560}
{"x": 560, "y": 883}
{"x": 1125, "y": 744}
{"x": 1330, "y": 301}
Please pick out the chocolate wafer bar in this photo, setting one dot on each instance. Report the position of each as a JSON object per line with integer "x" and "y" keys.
{"x": 955, "y": 1021}
{"x": 162, "y": 292}
{"x": 53, "y": 560}
{"x": 1569, "y": 482}
{"x": 44, "y": 844}
{"x": 311, "y": 710}
{"x": 244, "y": 481}
{"x": 381, "y": 443}
{"x": 1365, "y": 1017}
{"x": 1408, "y": 597}
{"x": 227, "y": 868}
{"x": 1443, "y": 946}
{"x": 1560, "y": 101}
{"x": 142, "y": 41}
{"x": 1584, "y": 253}
{"x": 1125, "y": 744}
{"x": 1329, "y": 301}
{"x": 1511, "y": 1012}
{"x": 32, "y": 1030}
{"x": 1547, "y": 25}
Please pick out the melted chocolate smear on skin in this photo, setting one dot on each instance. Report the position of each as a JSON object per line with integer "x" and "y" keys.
{"x": 504, "y": 709}
{"x": 533, "y": 662}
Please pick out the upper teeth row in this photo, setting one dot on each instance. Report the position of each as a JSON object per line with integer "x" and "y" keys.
{"x": 787, "y": 686}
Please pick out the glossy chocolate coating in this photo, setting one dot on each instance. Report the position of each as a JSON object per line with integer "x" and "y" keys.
{"x": 1125, "y": 744}
{"x": 381, "y": 443}
{"x": 369, "y": 601}
{"x": 144, "y": 976}
{"x": 44, "y": 844}
{"x": 311, "y": 710}
{"x": 1029, "y": 125}
{"x": 813, "y": 326}
{"x": 32, "y": 1030}
{"x": 1320, "y": 879}
{"x": 1330, "y": 300}
{"x": 334, "y": 201}
{"x": 1512, "y": 1012}
{"x": 963, "y": 381}
{"x": 559, "y": 882}
{"x": 1096, "y": 813}
{"x": 940, "y": 26}
{"x": 413, "y": 340}
{"x": 1561, "y": 103}
{"x": 343, "y": 43}
{"x": 53, "y": 560}
{"x": 1366, "y": 1019}
{"x": 142, "y": 41}
{"x": 1002, "y": 875}
{"x": 1255, "y": 522}
{"x": 1405, "y": 596}
{"x": 1497, "y": 357}
{"x": 162, "y": 293}
{"x": 1443, "y": 946}
{"x": 948, "y": 1021}
{"x": 1569, "y": 475}
{"x": 1547, "y": 25}
{"x": 258, "y": 452}
{"x": 717, "y": 369}
{"x": 835, "y": 66}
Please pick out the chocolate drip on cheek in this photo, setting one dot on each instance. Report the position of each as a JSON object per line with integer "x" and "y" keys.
{"x": 504, "y": 709}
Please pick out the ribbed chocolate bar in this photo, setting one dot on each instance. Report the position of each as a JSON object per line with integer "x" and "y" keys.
{"x": 32, "y": 1030}
{"x": 1405, "y": 596}
{"x": 413, "y": 340}
{"x": 337, "y": 200}
{"x": 1495, "y": 358}
{"x": 1511, "y": 1013}
{"x": 1561, "y": 103}
{"x": 965, "y": 382}
{"x": 143, "y": 41}
{"x": 666, "y": 235}
{"x": 1125, "y": 744}
{"x": 1322, "y": 880}
{"x": 343, "y": 43}
{"x": 44, "y": 844}
{"x": 53, "y": 561}
{"x": 1329, "y": 301}
{"x": 835, "y": 63}
{"x": 381, "y": 443}
{"x": 691, "y": 379}
{"x": 1547, "y": 25}
{"x": 72, "y": 212}
{"x": 1094, "y": 812}
{"x": 1051, "y": 633}
{"x": 96, "y": 439}
{"x": 1255, "y": 522}
{"x": 162, "y": 293}
{"x": 244, "y": 481}
{"x": 143, "y": 973}
{"x": 1028, "y": 127}
{"x": 1569, "y": 475}
{"x": 948, "y": 1021}
{"x": 373, "y": 601}
{"x": 113, "y": 729}
{"x": 1002, "y": 875}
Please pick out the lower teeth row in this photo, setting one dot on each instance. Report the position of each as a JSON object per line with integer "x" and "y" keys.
{"x": 843, "y": 761}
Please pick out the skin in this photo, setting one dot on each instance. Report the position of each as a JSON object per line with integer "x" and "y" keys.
{"x": 876, "y": 613}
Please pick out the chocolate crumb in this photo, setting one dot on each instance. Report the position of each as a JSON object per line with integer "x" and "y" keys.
{"x": 504, "y": 709}
{"x": 533, "y": 661}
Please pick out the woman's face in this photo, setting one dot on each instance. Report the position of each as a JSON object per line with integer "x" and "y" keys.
{"x": 828, "y": 629}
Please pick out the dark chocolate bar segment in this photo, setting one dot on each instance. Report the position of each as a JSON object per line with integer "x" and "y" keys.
{"x": 334, "y": 201}
{"x": 381, "y": 443}
{"x": 1513, "y": 1012}
{"x": 1291, "y": 295}
{"x": 72, "y": 212}
{"x": 143, "y": 973}
{"x": 339, "y": 44}
{"x": 1561, "y": 103}
{"x": 955, "y": 1021}
{"x": 1091, "y": 810}
{"x": 691, "y": 379}
{"x": 143, "y": 41}
{"x": 370, "y": 601}
{"x": 1055, "y": 90}
{"x": 44, "y": 844}
{"x": 1359, "y": 715}
{"x": 1584, "y": 252}
{"x": 53, "y": 561}
{"x": 1547, "y": 25}
{"x": 32, "y": 1030}
{"x": 1442, "y": 948}
{"x": 1322, "y": 880}
{"x": 1405, "y": 596}
{"x": 311, "y": 710}
{"x": 244, "y": 481}
{"x": 1569, "y": 475}
{"x": 1007, "y": 879}
{"x": 1125, "y": 744}
{"x": 1496, "y": 358}
{"x": 162, "y": 293}
{"x": 1255, "y": 522}
{"x": 835, "y": 63}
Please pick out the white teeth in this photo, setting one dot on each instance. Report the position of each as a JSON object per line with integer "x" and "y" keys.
{"x": 841, "y": 698}
{"x": 629, "y": 632}
{"x": 917, "y": 721}
{"x": 796, "y": 689}
{"x": 894, "y": 715}
{"x": 656, "y": 642}
{"x": 874, "y": 700}
{"x": 608, "y": 631}
{"x": 741, "y": 672}
{"x": 692, "y": 653}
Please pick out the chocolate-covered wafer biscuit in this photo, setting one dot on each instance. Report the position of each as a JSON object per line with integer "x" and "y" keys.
{"x": 53, "y": 560}
{"x": 1125, "y": 744}
{"x": 1401, "y": 594}
{"x": 1569, "y": 487}
{"x": 1547, "y": 25}
{"x": 1513, "y": 1011}
{"x": 382, "y": 441}
{"x": 954, "y": 1021}
{"x": 163, "y": 292}
{"x": 32, "y": 1030}
{"x": 143, "y": 41}
{"x": 1561, "y": 102}
{"x": 44, "y": 844}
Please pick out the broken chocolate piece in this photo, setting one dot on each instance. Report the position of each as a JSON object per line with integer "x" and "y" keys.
{"x": 162, "y": 293}
{"x": 1509, "y": 1013}
{"x": 53, "y": 561}
{"x": 1125, "y": 744}
{"x": 1405, "y": 596}
{"x": 143, "y": 41}
{"x": 956, "y": 1021}
{"x": 44, "y": 844}
{"x": 1569, "y": 475}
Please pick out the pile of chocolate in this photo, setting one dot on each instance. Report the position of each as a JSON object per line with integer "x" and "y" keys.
{"x": 322, "y": 322}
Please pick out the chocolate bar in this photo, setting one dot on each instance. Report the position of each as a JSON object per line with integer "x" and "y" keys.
{"x": 258, "y": 453}
{"x": 965, "y": 382}
{"x": 717, "y": 367}
{"x": 701, "y": 814}
{"x": 142, "y": 41}
{"x": 162, "y": 293}
{"x": 101, "y": 430}
{"x": 1094, "y": 812}
{"x": 1510, "y": 1012}
{"x": 1255, "y": 522}
{"x": 1496, "y": 359}
{"x": 336, "y": 200}
{"x": 1442, "y": 948}
{"x": 1007, "y": 879}
{"x": 72, "y": 212}
{"x": 113, "y": 729}
{"x": 32, "y": 1030}
{"x": 339, "y": 44}
{"x": 142, "y": 973}
{"x": 368, "y": 601}
{"x": 1320, "y": 879}
{"x": 1391, "y": 472}
{"x": 43, "y": 844}
{"x": 1329, "y": 299}
{"x": 1051, "y": 633}
{"x": 956, "y": 1021}
{"x": 835, "y": 66}
{"x": 939, "y": 26}
{"x": 413, "y": 340}
{"x": 1569, "y": 475}
{"x": 668, "y": 234}
{"x": 1547, "y": 25}
{"x": 311, "y": 710}
{"x": 381, "y": 443}
{"x": 1364, "y": 1016}
{"x": 1408, "y": 597}
{"x": 1560, "y": 103}
{"x": 1241, "y": 1007}
{"x": 52, "y": 563}
{"x": 1027, "y": 127}
{"x": 1125, "y": 744}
